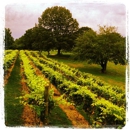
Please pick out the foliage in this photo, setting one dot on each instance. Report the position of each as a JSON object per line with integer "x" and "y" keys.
{"x": 84, "y": 48}
{"x": 35, "y": 38}
{"x": 9, "y": 58}
{"x": 35, "y": 98}
{"x": 61, "y": 24}
{"x": 107, "y": 45}
{"x": 83, "y": 79}
{"x": 9, "y": 40}
{"x": 42, "y": 39}
{"x": 19, "y": 43}
{"x": 81, "y": 30}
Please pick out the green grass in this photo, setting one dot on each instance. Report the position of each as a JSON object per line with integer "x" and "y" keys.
{"x": 13, "y": 108}
{"x": 115, "y": 74}
{"x": 58, "y": 118}
{"x": 84, "y": 114}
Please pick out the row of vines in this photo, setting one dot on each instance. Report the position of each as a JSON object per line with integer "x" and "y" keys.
{"x": 9, "y": 58}
{"x": 37, "y": 88}
{"x": 104, "y": 103}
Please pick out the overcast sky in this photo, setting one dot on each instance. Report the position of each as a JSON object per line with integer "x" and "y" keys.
{"x": 20, "y": 17}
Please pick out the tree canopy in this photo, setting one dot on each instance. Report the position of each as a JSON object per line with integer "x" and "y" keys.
{"x": 81, "y": 30}
{"x": 35, "y": 38}
{"x": 58, "y": 20}
{"x": 9, "y": 40}
{"x": 99, "y": 48}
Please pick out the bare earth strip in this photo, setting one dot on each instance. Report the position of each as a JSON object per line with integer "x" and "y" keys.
{"x": 73, "y": 115}
{"x": 29, "y": 116}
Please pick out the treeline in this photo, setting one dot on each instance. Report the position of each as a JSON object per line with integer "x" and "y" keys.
{"x": 43, "y": 40}
{"x": 58, "y": 30}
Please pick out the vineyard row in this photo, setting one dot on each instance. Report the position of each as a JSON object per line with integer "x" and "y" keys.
{"x": 102, "y": 110}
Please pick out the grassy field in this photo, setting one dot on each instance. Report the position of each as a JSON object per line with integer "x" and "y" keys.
{"x": 58, "y": 118}
{"x": 115, "y": 74}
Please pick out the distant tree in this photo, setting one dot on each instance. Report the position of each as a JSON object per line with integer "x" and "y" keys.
{"x": 9, "y": 40}
{"x": 35, "y": 38}
{"x": 28, "y": 38}
{"x": 84, "y": 45}
{"x": 81, "y": 30}
{"x": 19, "y": 44}
{"x": 107, "y": 45}
{"x": 59, "y": 21}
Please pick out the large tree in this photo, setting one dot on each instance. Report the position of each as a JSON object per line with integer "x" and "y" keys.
{"x": 42, "y": 39}
{"x": 9, "y": 40}
{"x": 107, "y": 45}
{"x": 59, "y": 21}
{"x": 25, "y": 41}
{"x": 35, "y": 38}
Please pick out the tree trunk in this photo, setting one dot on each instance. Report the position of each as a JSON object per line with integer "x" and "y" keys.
{"x": 59, "y": 49}
{"x": 104, "y": 66}
{"x": 48, "y": 53}
{"x": 40, "y": 52}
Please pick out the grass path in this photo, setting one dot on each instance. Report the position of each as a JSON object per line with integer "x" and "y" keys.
{"x": 78, "y": 121}
{"x": 12, "y": 90}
